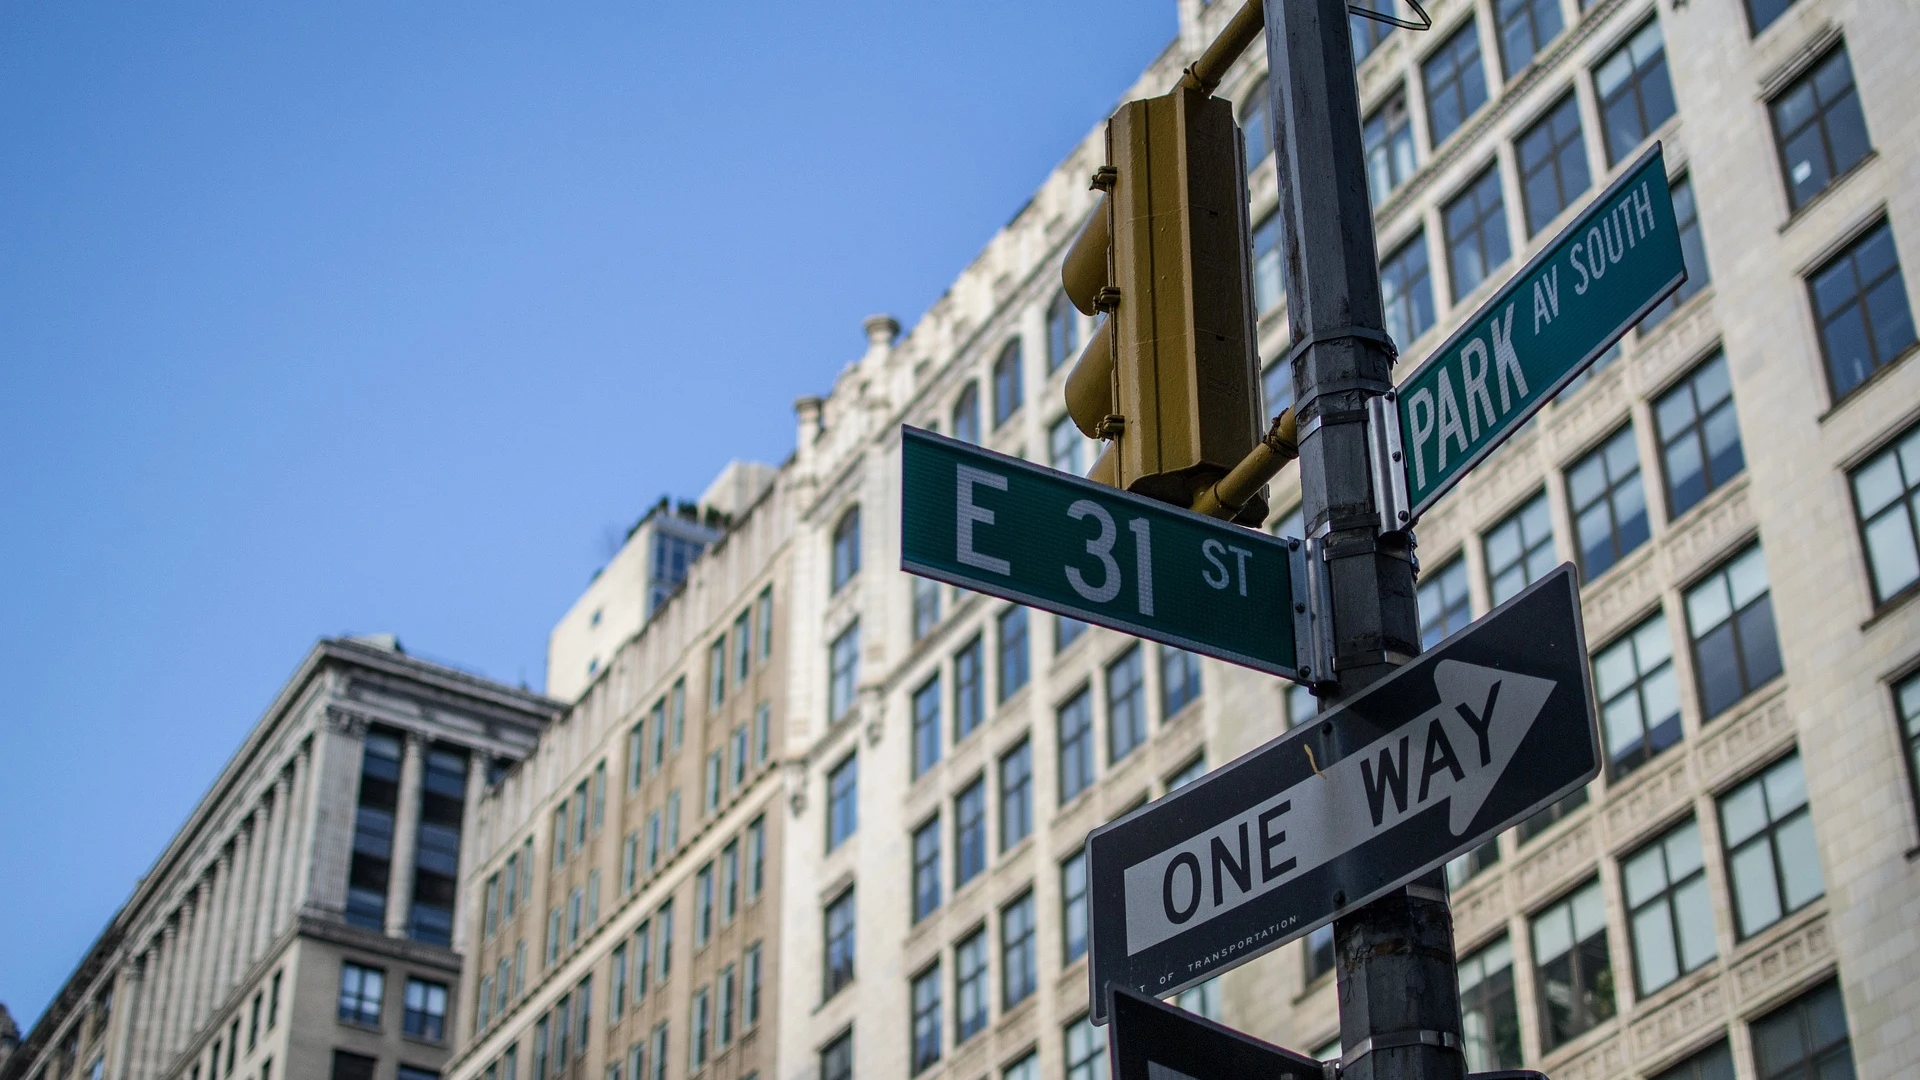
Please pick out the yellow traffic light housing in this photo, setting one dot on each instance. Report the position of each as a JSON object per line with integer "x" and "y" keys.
{"x": 1171, "y": 378}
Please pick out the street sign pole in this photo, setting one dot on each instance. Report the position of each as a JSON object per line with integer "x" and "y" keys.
{"x": 1399, "y": 1000}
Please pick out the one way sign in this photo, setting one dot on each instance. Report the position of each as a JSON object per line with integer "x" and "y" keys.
{"x": 1488, "y": 727}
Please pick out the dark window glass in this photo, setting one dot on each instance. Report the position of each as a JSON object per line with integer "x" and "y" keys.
{"x": 1255, "y": 127}
{"x": 1073, "y": 883}
{"x": 1762, "y": 13}
{"x": 1367, "y": 34}
{"x": 1699, "y": 435}
{"x": 372, "y": 865}
{"x": 1443, "y": 603}
{"x": 1269, "y": 288}
{"x": 926, "y": 726}
{"x": 1076, "y": 745}
{"x": 966, "y": 414}
{"x": 1819, "y": 127}
{"x": 1469, "y": 866}
{"x": 1179, "y": 680}
{"x": 1571, "y": 966}
{"x": 840, "y": 925}
{"x": 361, "y": 989}
{"x": 1086, "y": 1051}
{"x": 352, "y": 1066}
{"x": 1639, "y": 696}
{"x": 425, "y": 1012}
{"x": 1772, "y": 863}
{"x": 1860, "y": 300}
{"x": 1669, "y": 909}
{"x": 926, "y": 1019}
{"x": 1713, "y": 1063}
{"x": 1525, "y": 28}
{"x": 1519, "y": 550}
{"x": 1807, "y": 1038}
{"x": 1553, "y": 162}
{"x": 1019, "y": 953}
{"x": 1126, "y": 705}
{"x": 1693, "y": 254}
{"x": 1476, "y": 222}
{"x": 1543, "y": 820}
{"x": 1489, "y": 1011}
{"x": 1609, "y": 507}
{"x": 1906, "y": 699}
{"x": 1016, "y": 794}
{"x": 1456, "y": 83}
{"x": 1406, "y": 291}
{"x": 1319, "y": 952}
{"x": 970, "y": 832}
{"x": 1730, "y": 617}
{"x": 1013, "y": 650}
{"x": 969, "y": 690}
{"x": 836, "y": 1061}
{"x": 843, "y": 801}
{"x": 1636, "y": 95}
{"x": 1063, "y": 332}
{"x": 1388, "y": 136}
{"x": 843, "y": 672}
{"x": 1065, "y": 632}
{"x": 846, "y": 548}
{"x": 1886, "y": 500}
{"x": 970, "y": 986}
{"x": 1008, "y": 391}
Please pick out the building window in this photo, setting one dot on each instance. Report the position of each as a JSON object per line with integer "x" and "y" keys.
{"x": 1406, "y": 291}
{"x": 1126, "y": 705}
{"x": 1276, "y": 388}
{"x": 1639, "y": 696}
{"x": 1465, "y": 868}
{"x": 1019, "y": 952}
{"x": 846, "y": 548}
{"x": 1076, "y": 745}
{"x": 1065, "y": 632}
{"x": 1805, "y": 1038}
{"x": 1693, "y": 255}
{"x": 697, "y": 1037}
{"x": 1269, "y": 287}
{"x": 836, "y": 1060}
{"x": 969, "y": 690}
{"x": 1609, "y": 506}
{"x": 617, "y": 983}
{"x": 1819, "y": 127}
{"x": 371, "y": 866}
{"x": 1906, "y": 699}
{"x": 970, "y": 985}
{"x": 843, "y": 800}
{"x": 1730, "y": 616}
{"x": 703, "y": 905}
{"x": 1525, "y": 28}
{"x": 1064, "y": 442}
{"x": 1016, "y": 794}
{"x": 1388, "y": 136}
{"x": 1559, "y": 811}
{"x": 1086, "y": 1051}
{"x": 1179, "y": 680}
{"x": 1256, "y": 128}
{"x": 1886, "y": 499}
{"x": 1318, "y": 952}
{"x": 425, "y": 1014}
{"x": 970, "y": 832}
{"x": 966, "y": 414}
{"x": 1699, "y": 435}
{"x": 352, "y": 1066}
{"x": 1771, "y": 858}
{"x": 1008, "y": 393}
{"x": 750, "y": 994}
{"x": 1571, "y": 966}
{"x": 1013, "y": 650}
{"x": 716, "y": 772}
{"x": 926, "y": 726}
{"x": 717, "y": 671}
{"x": 926, "y": 868}
{"x": 1713, "y": 1063}
{"x": 1760, "y": 15}
{"x": 1027, "y": 1068}
{"x": 728, "y": 994}
{"x": 843, "y": 672}
{"x": 360, "y": 991}
{"x": 664, "y": 920}
{"x": 839, "y": 943}
{"x": 1476, "y": 222}
{"x": 1074, "y": 902}
{"x": 1489, "y": 1012}
{"x": 660, "y": 1052}
{"x": 737, "y": 745}
{"x": 926, "y": 1019}
{"x": 756, "y": 857}
{"x": 1201, "y": 1000}
{"x": 1519, "y": 550}
{"x": 1669, "y": 909}
{"x": 1636, "y": 95}
{"x": 1444, "y": 604}
{"x": 1552, "y": 158}
{"x": 1456, "y": 83}
{"x": 763, "y": 613}
{"x": 1860, "y": 301}
{"x": 1063, "y": 332}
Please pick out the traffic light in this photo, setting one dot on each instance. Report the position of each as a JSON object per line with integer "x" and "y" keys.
{"x": 1171, "y": 378}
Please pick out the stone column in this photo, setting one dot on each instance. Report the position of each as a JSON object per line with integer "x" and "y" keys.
{"x": 133, "y": 1065}
{"x": 331, "y": 804}
{"x": 174, "y": 989}
{"x": 126, "y": 995}
{"x": 286, "y": 898}
{"x": 219, "y": 903}
{"x": 406, "y": 837}
{"x": 272, "y": 812}
{"x": 472, "y": 852}
{"x": 227, "y": 950}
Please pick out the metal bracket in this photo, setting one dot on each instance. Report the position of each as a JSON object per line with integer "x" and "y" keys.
{"x": 1393, "y": 1040}
{"x": 1320, "y": 613}
{"x": 1302, "y": 600}
{"x": 1387, "y": 459}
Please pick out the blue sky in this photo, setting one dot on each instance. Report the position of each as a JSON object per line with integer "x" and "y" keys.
{"x": 386, "y": 317}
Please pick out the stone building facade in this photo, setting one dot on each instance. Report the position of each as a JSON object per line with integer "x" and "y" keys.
{"x": 626, "y": 875}
{"x": 320, "y": 871}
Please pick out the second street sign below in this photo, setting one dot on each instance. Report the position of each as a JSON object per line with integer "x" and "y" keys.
{"x": 996, "y": 524}
{"x": 1493, "y": 724}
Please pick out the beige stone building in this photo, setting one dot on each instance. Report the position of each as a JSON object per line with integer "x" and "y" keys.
{"x": 626, "y": 875}
{"x": 303, "y": 922}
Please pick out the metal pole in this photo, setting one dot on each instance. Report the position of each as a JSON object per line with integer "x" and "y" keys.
{"x": 1399, "y": 999}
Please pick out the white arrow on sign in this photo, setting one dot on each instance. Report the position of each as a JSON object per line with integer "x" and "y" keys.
{"x": 1454, "y": 752}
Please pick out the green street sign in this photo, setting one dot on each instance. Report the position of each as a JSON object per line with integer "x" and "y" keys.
{"x": 998, "y": 525}
{"x": 1557, "y": 315}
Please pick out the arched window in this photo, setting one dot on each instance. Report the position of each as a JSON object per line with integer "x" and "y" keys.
{"x": 966, "y": 414}
{"x": 1063, "y": 332}
{"x": 1007, "y": 389}
{"x": 846, "y": 548}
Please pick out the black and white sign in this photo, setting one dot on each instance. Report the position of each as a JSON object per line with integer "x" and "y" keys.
{"x": 1489, "y": 726}
{"x": 1149, "y": 1040}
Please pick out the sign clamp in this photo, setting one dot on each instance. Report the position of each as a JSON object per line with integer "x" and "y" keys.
{"x": 1305, "y": 615}
{"x": 1387, "y": 460}
{"x": 1319, "y": 614}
